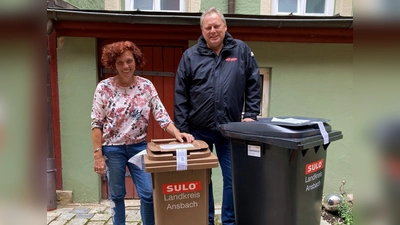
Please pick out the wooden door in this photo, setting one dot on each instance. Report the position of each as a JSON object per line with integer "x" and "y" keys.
{"x": 161, "y": 65}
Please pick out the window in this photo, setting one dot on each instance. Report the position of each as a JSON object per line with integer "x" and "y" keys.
{"x": 265, "y": 90}
{"x": 265, "y": 77}
{"x": 303, "y": 7}
{"x": 155, "y": 5}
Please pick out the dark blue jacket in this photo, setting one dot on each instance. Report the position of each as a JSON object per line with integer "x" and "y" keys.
{"x": 211, "y": 89}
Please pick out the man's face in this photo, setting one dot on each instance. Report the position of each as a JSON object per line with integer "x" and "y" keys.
{"x": 213, "y": 30}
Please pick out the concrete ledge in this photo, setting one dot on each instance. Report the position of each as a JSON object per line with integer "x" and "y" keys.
{"x": 64, "y": 197}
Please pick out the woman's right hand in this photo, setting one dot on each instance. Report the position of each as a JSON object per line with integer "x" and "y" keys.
{"x": 184, "y": 136}
{"x": 99, "y": 165}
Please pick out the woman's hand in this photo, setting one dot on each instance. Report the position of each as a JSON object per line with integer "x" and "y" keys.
{"x": 181, "y": 136}
{"x": 99, "y": 161}
{"x": 99, "y": 165}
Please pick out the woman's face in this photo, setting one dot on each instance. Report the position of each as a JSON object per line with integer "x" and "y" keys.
{"x": 125, "y": 65}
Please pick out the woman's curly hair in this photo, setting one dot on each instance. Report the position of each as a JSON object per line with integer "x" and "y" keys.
{"x": 114, "y": 50}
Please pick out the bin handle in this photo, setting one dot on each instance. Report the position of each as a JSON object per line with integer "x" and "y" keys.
{"x": 163, "y": 140}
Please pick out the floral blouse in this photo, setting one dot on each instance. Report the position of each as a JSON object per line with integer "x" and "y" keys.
{"x": 123, "y": 112}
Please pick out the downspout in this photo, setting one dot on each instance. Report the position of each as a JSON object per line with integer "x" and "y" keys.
{"x": 231, "y": 6}
{"x": 50, "y": 26}
{"x": 51, "y": 179}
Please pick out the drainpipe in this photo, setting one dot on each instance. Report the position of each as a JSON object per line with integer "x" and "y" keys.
{"x": 50, "y": 27}
{"x": 51, "y": 177}
{"x": 231, "y": 6}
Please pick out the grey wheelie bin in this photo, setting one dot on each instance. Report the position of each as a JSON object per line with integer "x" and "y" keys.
{"x": 278, "y": 167}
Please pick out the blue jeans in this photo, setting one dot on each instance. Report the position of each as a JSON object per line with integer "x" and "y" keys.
{"x": 222, "y": 147}
{"x": 117, "y": 160}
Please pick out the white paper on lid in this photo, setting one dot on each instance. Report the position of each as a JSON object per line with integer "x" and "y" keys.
{"x": 175, "y": 146}
{"x": 289, "y": 120}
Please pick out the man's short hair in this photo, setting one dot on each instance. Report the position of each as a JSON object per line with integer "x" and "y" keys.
{"x": 211, "y": 10}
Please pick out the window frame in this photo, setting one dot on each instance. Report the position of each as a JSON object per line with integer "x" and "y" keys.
{"x": 156, "y": 6}
{"x": 301, "y": 8}
{"x": 265, "y": 85}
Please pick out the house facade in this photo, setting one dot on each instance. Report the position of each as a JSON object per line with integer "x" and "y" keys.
{"x": 305, "y": 60}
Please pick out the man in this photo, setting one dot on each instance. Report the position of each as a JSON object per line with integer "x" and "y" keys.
{"x": 215, "y": 78}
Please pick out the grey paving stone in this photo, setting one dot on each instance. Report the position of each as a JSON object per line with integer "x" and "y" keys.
{"x": 59, "y": 222}
{"x": 133, "y": 215}
{"x": 132, "y": 203}
{"x": 84, "y": 215}
{"x": 96, "y": 223}
{"x": 77, "y": 221}
{"x": 131, "y": 212}
{"x": 103, "y": 217}
{"x": 99, "y": 209}
{"x": 62, "y": 210}
{"x": 52, "y": 216}
{"x": 81, "y": 210}
{"x": 66, "y": 216}
{"x": 49, "y": 219}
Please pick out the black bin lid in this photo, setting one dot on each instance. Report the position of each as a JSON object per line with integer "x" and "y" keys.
{"x": 290, "y": 132}
{"x": 300, "y": 127}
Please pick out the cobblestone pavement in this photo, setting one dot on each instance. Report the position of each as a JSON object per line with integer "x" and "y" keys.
{"x": 95, "y": 214}
{"x": 99, "y": 214}
{"x": 92, "y": 214}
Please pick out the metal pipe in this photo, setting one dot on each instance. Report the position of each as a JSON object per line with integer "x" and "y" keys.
{"x": 51, "y": 178}
{"x": 231, "y": 6}
{"x": 51, "y": 185}
{"x": 50, "y": 26}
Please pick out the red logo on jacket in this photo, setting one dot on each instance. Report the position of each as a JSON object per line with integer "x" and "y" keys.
{"x": 230, "y": 59}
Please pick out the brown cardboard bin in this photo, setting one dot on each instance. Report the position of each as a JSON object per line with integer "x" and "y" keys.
{"x": 180, "y": 197}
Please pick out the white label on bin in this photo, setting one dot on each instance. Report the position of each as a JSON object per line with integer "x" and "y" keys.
{"x": 181, "y": 159}
{"x": 254, "y": 150}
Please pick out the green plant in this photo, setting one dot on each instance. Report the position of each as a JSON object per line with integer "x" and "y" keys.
{"x": 217, "y": 220}
{"x": 345, "y": 211}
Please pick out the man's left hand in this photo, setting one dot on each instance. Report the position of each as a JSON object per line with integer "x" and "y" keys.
{"x": 248, "y": 120}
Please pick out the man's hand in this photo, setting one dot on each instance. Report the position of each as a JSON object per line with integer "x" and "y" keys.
{"x": 248, "y": 120}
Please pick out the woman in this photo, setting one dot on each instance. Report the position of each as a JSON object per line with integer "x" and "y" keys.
{"x": 120, "y": 118}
